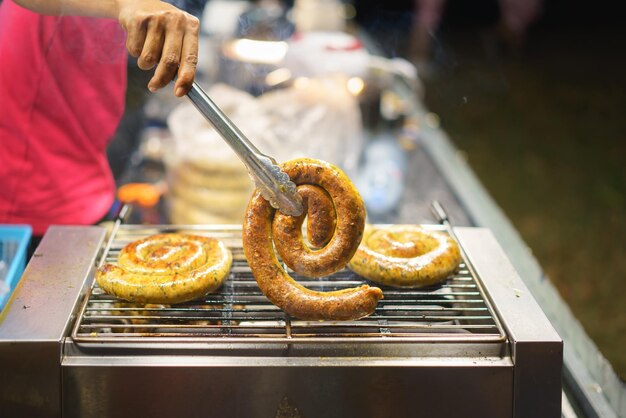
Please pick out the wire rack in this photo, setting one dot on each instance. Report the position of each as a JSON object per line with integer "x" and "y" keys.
{"x": 455, "y": 311}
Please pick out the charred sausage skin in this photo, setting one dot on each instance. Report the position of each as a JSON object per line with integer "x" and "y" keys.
{"x": 166, "y": 268}
{"x": 327, "y": 193}
{"x": 405, "y": 256}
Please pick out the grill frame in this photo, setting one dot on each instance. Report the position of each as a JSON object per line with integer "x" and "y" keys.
{"x": 516, "y": 378}
{"x": 395, "y": 302}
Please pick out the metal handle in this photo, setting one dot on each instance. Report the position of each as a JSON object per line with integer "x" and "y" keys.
{"x": 439, "y": 212}
{"x": 223, "y": 125}
{"x": 274, "y": 185}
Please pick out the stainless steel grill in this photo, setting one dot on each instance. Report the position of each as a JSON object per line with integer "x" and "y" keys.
{"x": 454, "y": 311}
{"x": 475, "y": 346}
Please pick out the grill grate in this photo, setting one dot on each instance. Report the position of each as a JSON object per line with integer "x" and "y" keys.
{"x": 454, "y": 311}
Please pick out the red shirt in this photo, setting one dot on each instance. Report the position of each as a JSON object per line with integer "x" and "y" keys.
{"x": 62, "y": 90}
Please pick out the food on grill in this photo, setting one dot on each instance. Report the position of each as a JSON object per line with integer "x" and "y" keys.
{"x": 405, "y": 256}
{"x": 166, "y": 268}
{"x": 336, "y": 218}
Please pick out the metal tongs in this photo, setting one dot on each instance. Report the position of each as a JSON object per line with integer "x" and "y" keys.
{"x": 273, "y": 183}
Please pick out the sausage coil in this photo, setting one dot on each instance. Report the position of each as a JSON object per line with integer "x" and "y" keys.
{"x": 166, "y": 268}
{"x": 405, "y": 256}
{"x": 336, "y": 218}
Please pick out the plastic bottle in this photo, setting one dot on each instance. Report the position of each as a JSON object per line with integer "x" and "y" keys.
{"x": 381, "y": 179}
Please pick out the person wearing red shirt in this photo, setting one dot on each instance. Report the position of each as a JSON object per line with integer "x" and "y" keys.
{"x": 62, "y": 91}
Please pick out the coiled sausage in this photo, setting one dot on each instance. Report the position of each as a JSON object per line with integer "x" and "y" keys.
{"x": 405, "y": 256}
{"x": 336, "y": 215}
{"x": 166, "y": 268}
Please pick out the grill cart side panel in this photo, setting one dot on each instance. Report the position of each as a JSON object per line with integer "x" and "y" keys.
{"x": 296, "y": 387}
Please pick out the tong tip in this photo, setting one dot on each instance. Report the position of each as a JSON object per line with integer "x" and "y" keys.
{"x": 281, "y": 194}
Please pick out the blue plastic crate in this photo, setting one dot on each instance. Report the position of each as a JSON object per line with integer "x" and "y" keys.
{"x": 14, "y": 241}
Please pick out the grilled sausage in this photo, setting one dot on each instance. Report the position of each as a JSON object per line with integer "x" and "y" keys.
{"x": 166, "y": 268}
{"x": 405, "y": 256}
{"x": 336, "y": 220}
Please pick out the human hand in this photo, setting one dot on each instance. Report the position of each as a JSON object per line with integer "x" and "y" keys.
{"x": 162, "y": 35}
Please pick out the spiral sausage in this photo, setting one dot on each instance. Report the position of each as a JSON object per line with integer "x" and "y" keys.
{"x": 405, "y": 256}
{"x": 166, "y": 268}
{"x": 336, "y": 216}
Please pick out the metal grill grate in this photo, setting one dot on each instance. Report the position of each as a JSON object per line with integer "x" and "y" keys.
{"x": 455, "y": 311}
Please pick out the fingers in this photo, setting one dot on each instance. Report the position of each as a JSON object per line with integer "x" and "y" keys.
{"x": 166, "y": 37}
{"x": 169, "y": 59}
{"x": 188, "y": 63}
{"x": 136, "y": 37}
{"x": 153, "y": 45}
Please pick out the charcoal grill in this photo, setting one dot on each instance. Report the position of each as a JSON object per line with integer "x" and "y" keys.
{"x": 476, "y": 346}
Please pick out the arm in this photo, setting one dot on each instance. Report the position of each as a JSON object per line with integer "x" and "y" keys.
{"x": 157, "y": 33}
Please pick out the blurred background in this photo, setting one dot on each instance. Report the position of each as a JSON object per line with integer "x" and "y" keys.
{"x": 539, "y": 118}
{"x": 531, "y": 92}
